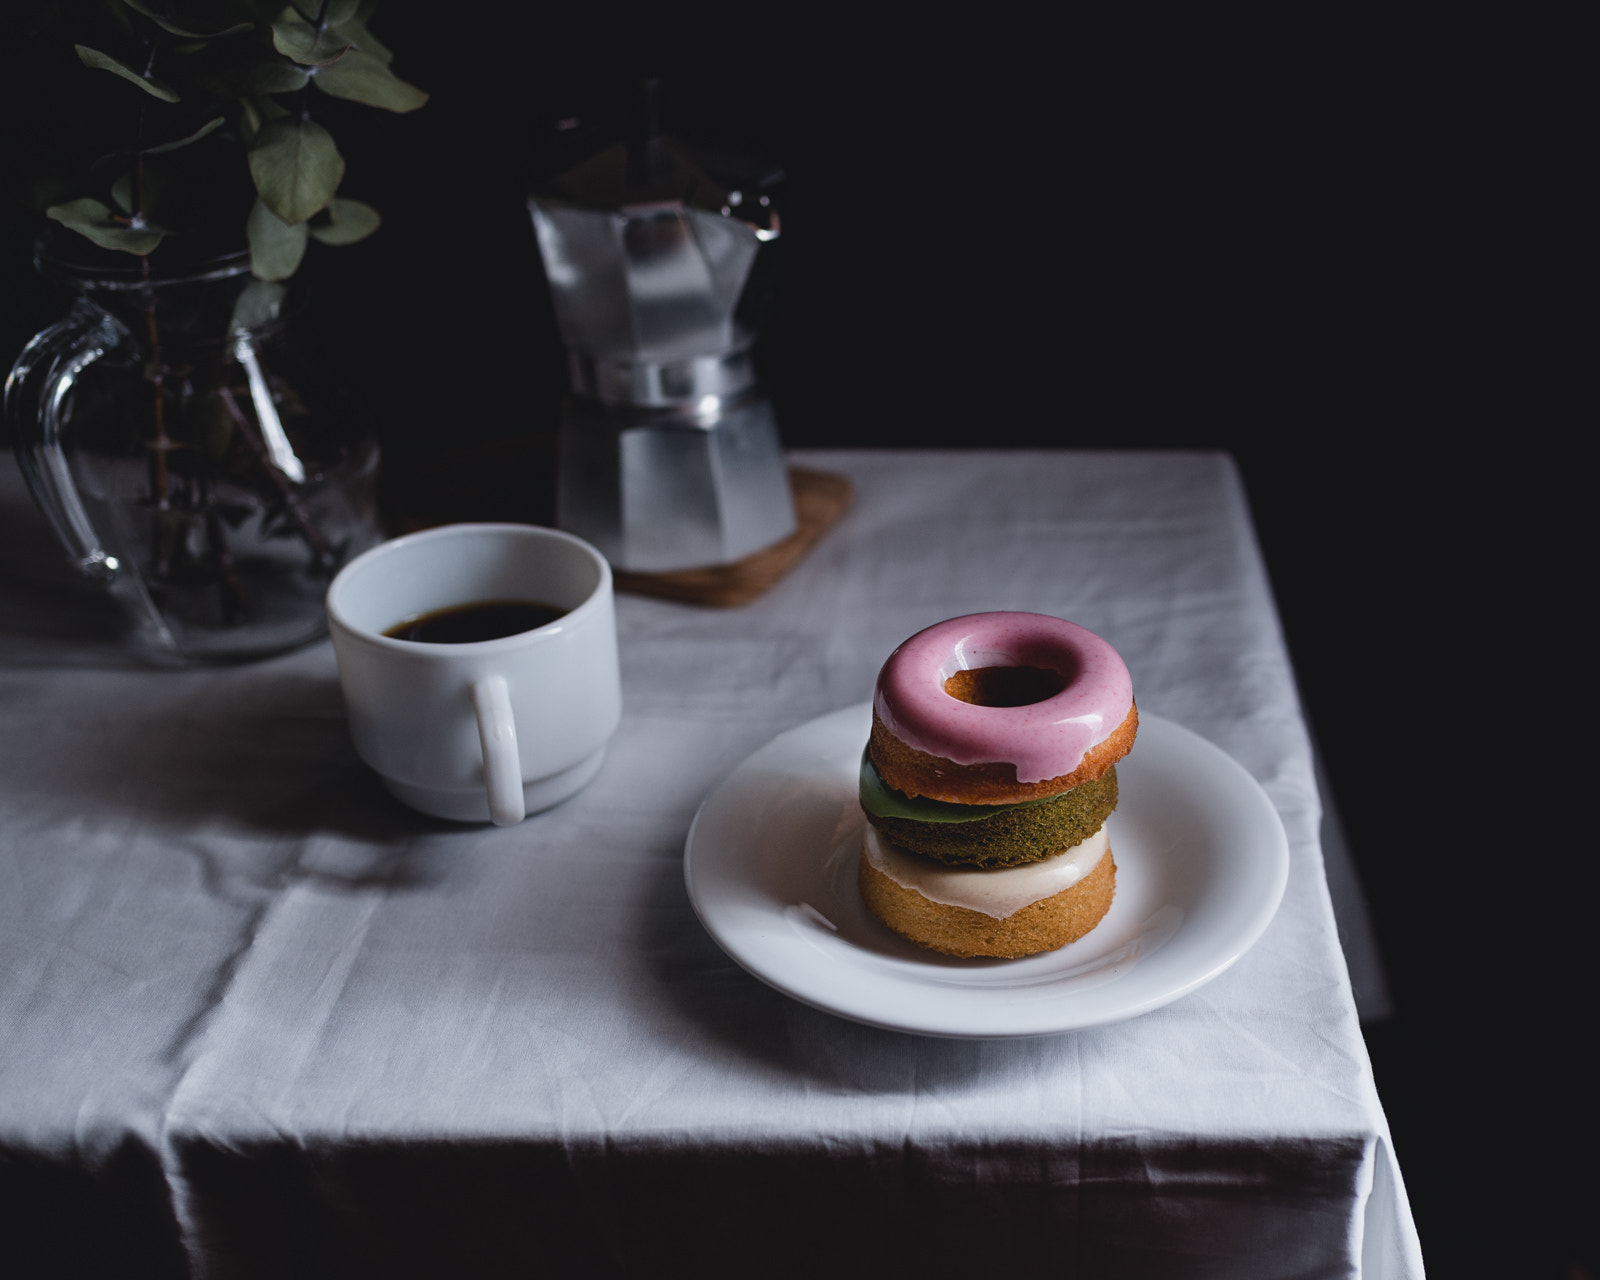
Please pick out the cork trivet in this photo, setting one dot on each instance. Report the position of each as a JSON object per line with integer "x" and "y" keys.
{"x": 820, "y": 498}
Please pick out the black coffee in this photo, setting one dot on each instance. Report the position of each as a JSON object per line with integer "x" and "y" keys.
{"x": 481, "y": 620}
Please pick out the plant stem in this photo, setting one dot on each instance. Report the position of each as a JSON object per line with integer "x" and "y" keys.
{"x": 162, "y": 444}
{"x": 233, "y": 598}
{"x": 308, "y": 530}
{"x": 319, "y": 25}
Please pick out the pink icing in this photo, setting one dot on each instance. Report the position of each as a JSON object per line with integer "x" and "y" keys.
{"x": 1043, "y": 739}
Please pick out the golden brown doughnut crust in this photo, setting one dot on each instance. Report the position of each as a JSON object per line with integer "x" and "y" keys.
{"x": 916, "y": 773}
{"x": 957, "y": 931}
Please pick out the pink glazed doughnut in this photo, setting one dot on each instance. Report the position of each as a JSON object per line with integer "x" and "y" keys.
{"x": 993, "y": 708}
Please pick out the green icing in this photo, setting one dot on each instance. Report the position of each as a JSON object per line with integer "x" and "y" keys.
{"x": 882, "y": 801}
{"x": 1005, "y": 835}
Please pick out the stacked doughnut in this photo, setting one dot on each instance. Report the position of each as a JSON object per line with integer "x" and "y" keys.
{"x": 987, "y": 783}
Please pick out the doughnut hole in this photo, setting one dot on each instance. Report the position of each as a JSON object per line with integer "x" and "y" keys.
{"x": 1005, "y": 686}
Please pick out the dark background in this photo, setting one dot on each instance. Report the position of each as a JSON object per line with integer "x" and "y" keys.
{"x": 1331, "y": 248}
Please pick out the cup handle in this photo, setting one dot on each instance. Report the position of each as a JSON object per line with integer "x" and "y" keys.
{"x": 502, "y": 765}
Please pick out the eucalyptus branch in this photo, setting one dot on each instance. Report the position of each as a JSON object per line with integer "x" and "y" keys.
{"x": 212, "y": 472}
{"x": 139, "y": 134}
{"x": 161, "y": 480}
{"x": 252, "y": 438}
{"x": 263, "y": 82}
{"x": 234, "y": 606}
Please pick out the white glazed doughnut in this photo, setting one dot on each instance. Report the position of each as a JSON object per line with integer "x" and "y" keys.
{"x": 1014, "y": 912}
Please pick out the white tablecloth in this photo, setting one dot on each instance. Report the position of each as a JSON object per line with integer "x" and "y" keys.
{"x": 257, "y": 1019}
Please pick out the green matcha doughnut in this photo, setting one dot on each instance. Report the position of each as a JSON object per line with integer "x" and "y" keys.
{"x": 989, "y": 835}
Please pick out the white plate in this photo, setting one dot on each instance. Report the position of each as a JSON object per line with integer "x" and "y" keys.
{"x": 770, "y": 863}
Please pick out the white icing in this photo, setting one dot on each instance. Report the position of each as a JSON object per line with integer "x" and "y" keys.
{"x": 998, "y": 893}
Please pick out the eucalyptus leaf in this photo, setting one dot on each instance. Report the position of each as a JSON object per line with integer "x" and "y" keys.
{"x": 208, "y": 127}
{"x": 259, "y": 302}
{"x": 276, "y": 247}
{"x": 348, "y": 221}
{"x": 167, "y": 25}
{"x": 356, "y": 32}
{"x": 306, "y": 45}
{"x": 273, "y": 75}
{"x": 105, "y": 62}
{"x": 360, "y": 77}
{"x": 881, "y": 800}
{"x": 296, "y": 168}
{"x": 157, "y": 190}
{"x": 123, "y": 20}
{"x": 339, "y": 11}
{"x": 94, "y": 220}
{"x": 257, "y": 113}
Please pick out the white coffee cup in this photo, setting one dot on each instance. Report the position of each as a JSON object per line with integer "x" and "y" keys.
{"x": 493, "y": 729}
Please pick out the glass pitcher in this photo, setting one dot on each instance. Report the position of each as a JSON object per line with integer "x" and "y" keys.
{"x": 188, "y": 459}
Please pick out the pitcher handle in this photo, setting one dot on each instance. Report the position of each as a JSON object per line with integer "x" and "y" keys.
{"x": 36, "y": 391}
